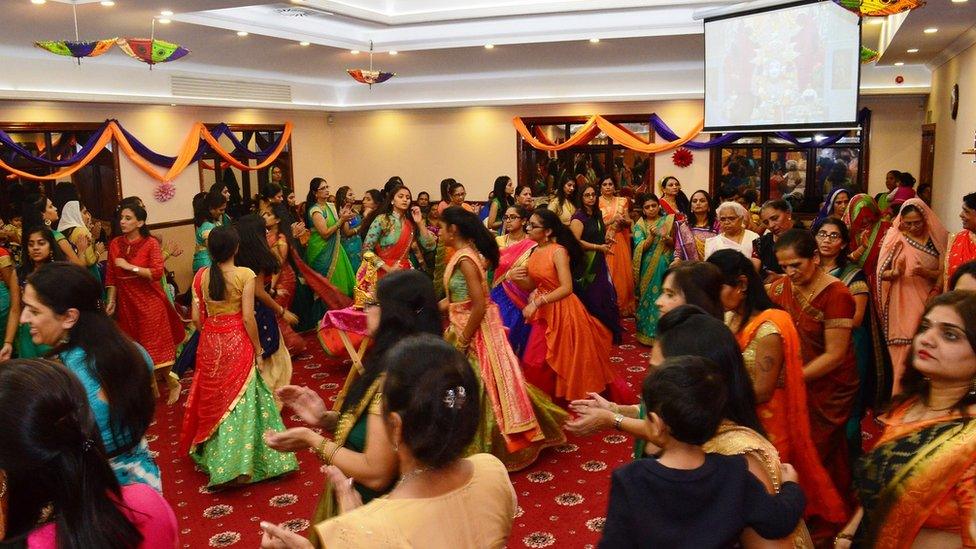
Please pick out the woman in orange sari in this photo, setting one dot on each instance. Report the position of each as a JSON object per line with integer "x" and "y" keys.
{"x": 929, "y": 499}
{"x": 771, "y": 354}
{"x": 517, "y": 420}
{"x": 822, "y": 311}
{"x": 909, "y": 271}
{"x": 568, "y": 354}
{"x": 615, "y": 217}
{"x": 961, "y": 247}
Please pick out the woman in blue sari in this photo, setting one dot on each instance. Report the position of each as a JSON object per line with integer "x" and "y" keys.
{"x": 515, "y": 247}
{"x": 324, "y": 251}
{"x": 351, "y": 241}
{"x": 208, "y": 213}
{"x": 653, "y": 253}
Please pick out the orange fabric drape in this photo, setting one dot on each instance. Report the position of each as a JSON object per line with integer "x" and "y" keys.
{"x": 183, "y": 158}
{"x": 593, "y": 126}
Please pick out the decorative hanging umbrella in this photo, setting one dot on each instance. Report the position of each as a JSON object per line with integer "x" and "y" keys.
{"x": 150, "y": 50}
{"x": 868, "y": 55}
{"x": 877, "y": 8}
{"x": 76, "y": 48}
{"x": 370, "y": 76}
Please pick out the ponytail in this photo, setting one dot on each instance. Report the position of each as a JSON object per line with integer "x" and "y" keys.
{"x": 471, "y": 228}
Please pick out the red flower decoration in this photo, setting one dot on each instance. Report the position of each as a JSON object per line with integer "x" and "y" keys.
{"x": 164, "y": 191}
{"x": 682, "y": 157}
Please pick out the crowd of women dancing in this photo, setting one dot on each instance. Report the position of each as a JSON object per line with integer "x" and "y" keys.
{"x": 807, "y": 386}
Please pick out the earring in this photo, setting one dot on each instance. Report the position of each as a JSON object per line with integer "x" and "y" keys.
{"x": 396, "y": 447}
{"x": 972, "y": 388}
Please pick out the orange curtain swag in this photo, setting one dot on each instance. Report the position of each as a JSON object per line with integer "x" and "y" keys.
{"x": 592, "y": 127}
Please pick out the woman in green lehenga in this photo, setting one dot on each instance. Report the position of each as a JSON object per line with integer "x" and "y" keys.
{"x": 404, "y": 305}
{"x": 653, "y": 253}
{"x": 324, "y": 251}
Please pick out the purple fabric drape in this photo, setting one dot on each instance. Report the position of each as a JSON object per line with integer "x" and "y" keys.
{"x": 16, "y": 148}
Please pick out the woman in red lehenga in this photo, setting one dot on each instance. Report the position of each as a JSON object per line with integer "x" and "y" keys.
{"x": 568, "y": 353}
{"x": 284, "y": 283}
{"x": 822, "y": 310}
{"x": 615, "y": 216}
{"x": 135, "y": 297}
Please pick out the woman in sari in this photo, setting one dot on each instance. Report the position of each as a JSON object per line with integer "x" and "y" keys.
{"x": 867, "y": 228}
{"x": 620, "y": 260}
{"x": 72, "y": 226}
{"x": 404, "y": 305}
{"x": 324, "y": 252}
{"x": 909, "y": 271}
{"x": 777, "y": 218}
{"x": 63, "y": 309}
{"x": 835, "y": 205}
{"x": 653, "y": 253}
{"x": 136, "y": 298}
{"x": 39, "y": 249}
{"x": 930, "y": 499}
{"x": 229, "y": 407}
{"x": 284, "y": 282}
{"x": 961, "y": 247}
{"x": 688, "y": 330}
{"x": 771, "y": 354}
{"x": 822, "y": 311}
{"x": 702, "y": 223}
{"x": 514, "y": 249}
{"x": 517, "y": 421}
{"x": 502, "y": 196}
{"x": 9, "y": 304}
{"x": 40, "y": 211}
{"x": 352, "y": 243}
{"x": 674, "y": 202}
{"x": 593, "y": 285}
{"x": 393, "y": 231}
{"x": 564, "y": 203}
{"x": 208, "y": 213}
{"x": 869, "y": 350}
{"x": 568, "y": 354}
{"x": 524, "y": 198}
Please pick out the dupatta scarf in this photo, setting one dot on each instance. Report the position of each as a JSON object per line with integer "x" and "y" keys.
{"x": 786, "y": 418}
{"x": 867, "y": 228}
{"x": 961, "y": 249}
{"x": 510, "y": 257}
{"x": 907, "y": 295}
{"x": 322, "y": 253}
{"x": 827, "y": 209}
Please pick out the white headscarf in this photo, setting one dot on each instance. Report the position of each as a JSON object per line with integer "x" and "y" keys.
{"x": 71, "y": 216}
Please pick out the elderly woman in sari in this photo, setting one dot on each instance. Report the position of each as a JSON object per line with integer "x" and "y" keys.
{"x": 822, "y": 310}
{"x": 734, "y": 235}
{"x": 867, "y": 228}
{"x": 909, "y": 273}
{"x": 961, "y": 247}
{"x": 929, "y": 500}
{"x": 620, "y": 261}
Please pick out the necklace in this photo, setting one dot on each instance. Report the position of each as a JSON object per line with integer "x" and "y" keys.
{"x": 813, "y": 286}
{"x": 412, "y": 474}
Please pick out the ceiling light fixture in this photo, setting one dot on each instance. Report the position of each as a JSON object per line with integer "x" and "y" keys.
{"x": 489, "y": 46}
{"x": 166, "y": 13}
{"x": 241, "y": 33}
{"x": 958, "y": 1}
{"x": 594, "y": 40}
{"x": 394, "y": 52}
{"x": 38, "y": 2}
{"x": 107, "y": 3}
{"x": 304, "y": 43}
{"x": 164, "y": 21}
{"x": 354, "y": 52}
{"x": 912, "y": 50}
{"x": 931, "y": 30}
{"x": 900, "y": 63}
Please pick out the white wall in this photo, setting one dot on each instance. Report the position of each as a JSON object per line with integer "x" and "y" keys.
{"x": 896, "y": 137}
{"x": 955, "y": 173}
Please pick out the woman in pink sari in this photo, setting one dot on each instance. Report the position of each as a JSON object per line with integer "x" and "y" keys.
{"x": 909, "y": 271}
{"x": 514, "y": 250}
{"x": 619, "y": 262}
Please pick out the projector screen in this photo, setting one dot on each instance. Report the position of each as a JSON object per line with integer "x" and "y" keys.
{"x": 784, "y": 68}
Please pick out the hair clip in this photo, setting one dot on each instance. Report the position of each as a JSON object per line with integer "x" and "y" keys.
{"x": 87, "y": 445}
{"x": 454, "y": 398}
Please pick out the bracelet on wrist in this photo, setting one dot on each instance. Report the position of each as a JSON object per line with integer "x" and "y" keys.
{"x": 617, "y": 420}
{"x": 843, "y": 535}
{"x": 319, "y": 450}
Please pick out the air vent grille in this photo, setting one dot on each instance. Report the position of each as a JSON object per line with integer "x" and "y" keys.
{"x": 187, "y": 86}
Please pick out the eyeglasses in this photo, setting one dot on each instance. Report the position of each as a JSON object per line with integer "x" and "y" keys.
{"x": 511, "y": 217}
{"x": 460, "y": 195}
{"x": 530, "y": 225}
{"x": 824, "y": 235}
{"x": 369, "y": 303}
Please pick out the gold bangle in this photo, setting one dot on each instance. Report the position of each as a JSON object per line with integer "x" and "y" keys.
{"x": 332, "y": 454}
{"x": 319, "y": 450}
{"x": 617, "y": 420}
{"x": 843, "y": 535}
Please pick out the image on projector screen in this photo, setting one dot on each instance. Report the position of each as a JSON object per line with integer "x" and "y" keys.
{"x": 782, "y": 68}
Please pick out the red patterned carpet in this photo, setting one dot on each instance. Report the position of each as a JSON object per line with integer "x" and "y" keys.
{"x": 562, "y": 497}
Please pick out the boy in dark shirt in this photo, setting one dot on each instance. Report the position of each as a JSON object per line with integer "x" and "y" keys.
{"x": 685, "y": 497}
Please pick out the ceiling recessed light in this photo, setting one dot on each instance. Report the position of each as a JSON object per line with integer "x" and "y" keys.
{"x": 958, "y": 1}
{"x": 296, "y": 1}
{"x": 38, "y": 2}
{"x": 354, "y": 52}
{"x": 167, "y": 13}
{"x": 164, "y": 21}
{"x": 594, "y": 40}
{"x": 107, "y": 3}
{"x": 912, "y": 50}
{"x": 172, "y": 104}
{"x": 900, "y": 63}
{"x": 304, "y": 43}
{"x": 931, "y": 30}
{"x": 489, "y": 46}
{"x": 394, "y": 52}
{"x": 241, "y": 33}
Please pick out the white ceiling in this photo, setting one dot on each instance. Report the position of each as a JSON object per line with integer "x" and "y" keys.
{"x": 647, "y": 50}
